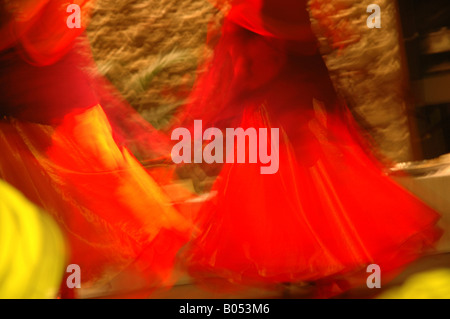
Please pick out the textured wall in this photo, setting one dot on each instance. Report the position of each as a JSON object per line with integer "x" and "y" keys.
{"x": 366, "y": 68}
{"x": 149, "y": 49}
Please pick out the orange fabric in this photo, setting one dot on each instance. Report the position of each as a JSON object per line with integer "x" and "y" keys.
{"x": 39, "y": 28}
{"x": 66, "y": 138}
{"x": 114, "y": 214}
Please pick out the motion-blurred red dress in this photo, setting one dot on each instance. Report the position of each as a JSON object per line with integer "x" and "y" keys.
{"x": 329, "y": 211}
{"x": 59, "y": 148}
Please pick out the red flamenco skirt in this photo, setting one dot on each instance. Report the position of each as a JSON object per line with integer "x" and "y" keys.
{"x": 329, "y": 211}
{"x": 66, "y": 141}
{"x": 115, "y": 216}
{"x": 327, "y": 214}
{"x": 62, "y": 151}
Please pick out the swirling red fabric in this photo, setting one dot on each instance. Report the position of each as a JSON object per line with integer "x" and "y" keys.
{"x": 329, "y": 211}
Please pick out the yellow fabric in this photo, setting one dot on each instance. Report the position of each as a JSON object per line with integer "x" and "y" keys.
{"x": 433, "y": 284}
{"x": 32, "y": 248}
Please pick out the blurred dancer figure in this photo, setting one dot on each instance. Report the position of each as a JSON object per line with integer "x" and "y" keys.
{"x": 329, "y": 211}
{"x": 60, "y": 149}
